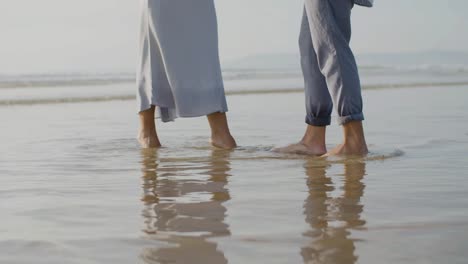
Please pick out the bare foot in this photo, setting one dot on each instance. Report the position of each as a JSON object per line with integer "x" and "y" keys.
{"x": 148, "y": 137}
{"x": 220, "y": 135}
{"x": 302, "y": 149}
{"x": 347, "y": 149}
{"x": 354, "y": 141}
{"x": 223, "y": 141}
{"x": 148, "y": 141}
{"x": 313, "y": 143}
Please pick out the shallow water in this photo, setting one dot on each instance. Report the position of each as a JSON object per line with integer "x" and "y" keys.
{"x": 75, "y": 187}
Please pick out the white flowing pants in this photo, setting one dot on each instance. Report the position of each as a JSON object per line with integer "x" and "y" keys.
{"x": 179, "y": 69}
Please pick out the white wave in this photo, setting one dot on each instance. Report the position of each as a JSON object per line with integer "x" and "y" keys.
{"x": 423, "y": 68}
{"x": 229, "y": 74}
{"x": 63, "y": 79}
{"x": 109, "y": 96}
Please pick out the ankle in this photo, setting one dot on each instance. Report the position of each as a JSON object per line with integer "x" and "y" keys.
{"x": 313, "y": 143}
{"x": 223, "y": 140}
{"x": 314, "y": 136}
{"x": 354, "y": 139}
{"x": 147, "y": 132}
{"x": 221, "y": 134}
{"x": 356, "y": 144}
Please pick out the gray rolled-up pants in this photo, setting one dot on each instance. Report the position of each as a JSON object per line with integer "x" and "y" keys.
{"x": 328, "y": 64}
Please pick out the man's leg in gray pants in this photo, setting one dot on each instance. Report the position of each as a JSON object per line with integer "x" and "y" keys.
{"x": 331, "y": 78}
{"x": 329, "y": 30}
{"x": 319, "y": 103}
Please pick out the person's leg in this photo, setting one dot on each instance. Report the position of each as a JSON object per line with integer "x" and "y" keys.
{"x": 354, "y": 142}
{"x": 220, "y": 135}
{"x": 152, "y": 85}
{"x": 148, "y": 137}
{"x": 330, "y": 25}
{"x": 319, "y": 104}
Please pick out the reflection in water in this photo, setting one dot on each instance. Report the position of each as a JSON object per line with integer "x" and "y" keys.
{"x": 184, "y": 206}
{"x": 332, "y": 218}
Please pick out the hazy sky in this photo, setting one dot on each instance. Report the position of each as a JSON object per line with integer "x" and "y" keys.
{"x": 90, "y": 35}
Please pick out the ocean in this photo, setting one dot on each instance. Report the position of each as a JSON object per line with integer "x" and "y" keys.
{"x": 47, "y": 88}
{"x": 76, "y": 188}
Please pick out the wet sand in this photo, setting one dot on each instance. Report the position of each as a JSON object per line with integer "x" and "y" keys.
{"x": 75, "y": 187}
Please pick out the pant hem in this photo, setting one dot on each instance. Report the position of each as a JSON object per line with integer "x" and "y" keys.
{"x": 318, "y": 121}
{"x": 342, "y": 120}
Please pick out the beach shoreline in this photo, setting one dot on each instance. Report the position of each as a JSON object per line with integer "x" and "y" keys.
{"x": 76, "y": 186}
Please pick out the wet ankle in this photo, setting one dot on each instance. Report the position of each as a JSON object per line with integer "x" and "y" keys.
{"x": 225, "y": 141}
{"x": 355, "y": 141}
{"x": 220, "y": 134}
{"x": 313, "y": 142}
{"x": 314, "y": 137}
{"x": 147, "y": 133}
